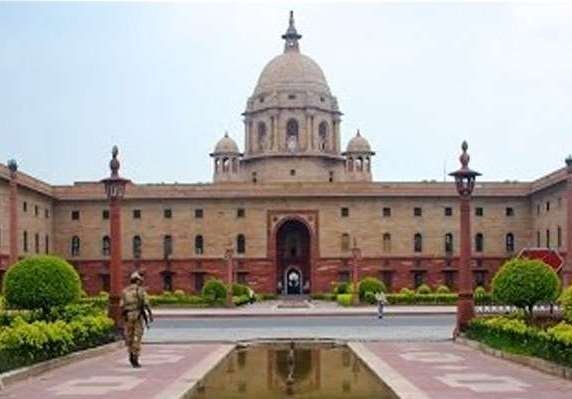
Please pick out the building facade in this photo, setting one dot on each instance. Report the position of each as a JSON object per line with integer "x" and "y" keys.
{"x": 292, "y": 206}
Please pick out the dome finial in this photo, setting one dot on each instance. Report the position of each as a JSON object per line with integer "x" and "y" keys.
{"x": 291, "y": 36}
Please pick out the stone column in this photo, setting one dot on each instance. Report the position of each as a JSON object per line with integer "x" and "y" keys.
{"x": 246, "y": 135}
{"x": 465, "y": 304}
{"x": 567, "y": 272}
{"x": 115, "y": 267}
{"x": 336, "y": 134}
{"x": 356, "y": 256}
{"x": 13, "y": 213}
{"x": 229, "y": 275}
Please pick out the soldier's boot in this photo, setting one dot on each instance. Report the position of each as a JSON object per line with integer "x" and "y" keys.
{"x": 136, "y": 363}
{"x": 132, "y": 360}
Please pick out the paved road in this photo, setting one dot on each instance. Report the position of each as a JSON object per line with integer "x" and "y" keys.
{"x": 404, "y": 328}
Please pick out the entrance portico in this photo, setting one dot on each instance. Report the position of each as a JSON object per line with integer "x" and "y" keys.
{"x": 293, "y": 251}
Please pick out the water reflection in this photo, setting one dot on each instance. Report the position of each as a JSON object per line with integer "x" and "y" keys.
{"x": 293, "y": 370}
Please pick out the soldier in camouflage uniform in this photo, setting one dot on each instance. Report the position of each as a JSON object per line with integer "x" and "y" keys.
{"x": 136, "y": 310}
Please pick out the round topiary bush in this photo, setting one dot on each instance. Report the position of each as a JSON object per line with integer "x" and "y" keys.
{"x": 523, "y": 283}
{"x": 423, "y": 289}
{"x": 214, "y": 291}
{"x": 369, "y": 297}
{"x": 239, "y": 290}
{"x": 342, "y": 288}
{"x": 406, "y": 291}
{"x": 443, "y": 289}
{"x": 566, "y": 302}
{"x": 370, "y": 284}
{"x": 41, "y": 282}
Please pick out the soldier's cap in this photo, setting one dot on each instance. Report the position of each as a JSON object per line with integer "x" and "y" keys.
{"x": 136, "y": 276}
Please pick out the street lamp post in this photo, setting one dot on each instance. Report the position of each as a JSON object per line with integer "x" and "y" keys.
{"x": 115, "y": 190}
{"x": 13, "y": 256}
{"x": 229, "y": 275}
{"x": 567, "y": 272}
{"x": 356, "y": 257}
{"x": 465, "y": 183}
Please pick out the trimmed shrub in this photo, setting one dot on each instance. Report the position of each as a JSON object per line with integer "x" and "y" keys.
{"x": 323, "y": 296}
{"x": 524, "y": 283}
{"x": 566, "y": 302}
{"x": 342, "y": 288}
{"x": 238, "y": 300}
{"x": 25, "y": 343}
{"x": 266, "y": 297}
{"x": 179, "y": 293}
{"x": 214, "y": 291}
{"x": 41, "y": 282}
{"x": 370, "y": 284}
{"x": 369, "y": 297}
{"x": 239, "y": 290}
{"x": 513, "y": 335}
{"x": 344, "y": 299}
{"x": 423, "y": 289}
{"x": 406, "y": 291}
{"x": 443, "y": 289}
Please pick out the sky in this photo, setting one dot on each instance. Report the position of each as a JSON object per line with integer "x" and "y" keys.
{"x": 164, "y": 81}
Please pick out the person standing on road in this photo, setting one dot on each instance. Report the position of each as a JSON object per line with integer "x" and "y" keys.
{"x": 136, "y": 310}
{"x": 381, "y": 302}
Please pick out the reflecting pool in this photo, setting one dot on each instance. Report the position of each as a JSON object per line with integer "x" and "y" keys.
{"x": 295, "y": 370}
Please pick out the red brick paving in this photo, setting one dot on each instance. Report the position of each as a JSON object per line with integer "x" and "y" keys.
{"x": 444, "y": 370}
{"x": 111, "y": 377}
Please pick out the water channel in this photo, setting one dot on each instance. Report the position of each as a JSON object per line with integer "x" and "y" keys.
{"x": 292, "y": 370}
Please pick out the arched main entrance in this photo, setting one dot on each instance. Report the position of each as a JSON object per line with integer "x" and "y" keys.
{"x": 293, "y": 258}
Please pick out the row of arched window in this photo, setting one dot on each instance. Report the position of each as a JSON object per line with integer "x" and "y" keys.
{"x": 26, "y": 246}
{"x": 448, "y": 242}
{"x": 292, "y": 136}
{"x": 359, "y": 164}
{"x": 548, "y": 241}
{"x": 137, "y": 245}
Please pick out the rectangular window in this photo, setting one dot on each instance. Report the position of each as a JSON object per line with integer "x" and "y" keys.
{"x": 345, "y": 212}
{"x": 547, "y": 238}
{"x": 331, "y": 177}
{"x": 36, "y": 210}
{"x": 448, "y": 211}
{"x": 538, "y": 239}
{"x": 292, "y": 172}
{"x": 240, "y": 213}
{"x": 37, "y": 243}
{"x": 25, "y": 206}
{"x": 480, "y": 278}
{"x": 547, "y": 206}
{"x": 136, "y": 213}
{"x": 386, "y": 212}
{"x": 559, "y": 236}
{"x": 417, "y": 212}
{"x": 199, "y": 281}
{"x": 479, "y": 211}
{"x": 47, "y": 213}
{"x": 509, "y": 211}
{"x": 387, "y": 278}
{"x": 418, "y": 278}
{"x": 25, "y": 241}
{"x": 105, "y": 214}
{"x": 167, "y": 213}
{"x": 47, "y": 244}
{"x": 75, "y": 215}
{"x": 198, "y": 213}
{"x": 343, "y": 277}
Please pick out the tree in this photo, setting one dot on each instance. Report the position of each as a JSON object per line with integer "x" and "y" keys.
{"x": 525, "y": 282}
{"x": 41, "y": 282}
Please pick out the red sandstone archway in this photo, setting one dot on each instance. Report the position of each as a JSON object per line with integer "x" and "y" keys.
{"x": 293, "y": 257}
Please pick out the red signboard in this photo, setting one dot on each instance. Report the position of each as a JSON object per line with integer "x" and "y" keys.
{"x": 549, "y": 256}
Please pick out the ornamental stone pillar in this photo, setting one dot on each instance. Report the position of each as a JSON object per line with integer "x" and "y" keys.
{"x": 13, "y": 212}
{"x": 465, "y": 183}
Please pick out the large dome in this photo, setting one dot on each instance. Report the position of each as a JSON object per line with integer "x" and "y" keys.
{"x": 292, "y": 70}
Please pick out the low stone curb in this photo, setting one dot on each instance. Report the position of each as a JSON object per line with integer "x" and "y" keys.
{"x": 532, "y": 362}
{"x": 181, "y": 315}
{"x": 397, "y": 383}
{"x": 11, "y": 377}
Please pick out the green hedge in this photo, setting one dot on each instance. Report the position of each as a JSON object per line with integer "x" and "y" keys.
{"x": 24, "y": 343}
{"x": 344, "y": 299}
{"x": 410, "y": 298}
{"x": 514, "y": 335}
{"x": 323, "y": 296}
{"x": 240, "y": 300}
{"x": 566, "y": 302}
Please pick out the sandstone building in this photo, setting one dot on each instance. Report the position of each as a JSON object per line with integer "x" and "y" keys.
{"x": 292, "y": 205}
